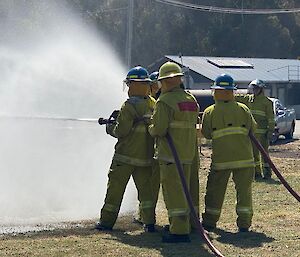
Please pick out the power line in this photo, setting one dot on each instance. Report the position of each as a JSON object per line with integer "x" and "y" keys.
{"x": 215, "y": 9}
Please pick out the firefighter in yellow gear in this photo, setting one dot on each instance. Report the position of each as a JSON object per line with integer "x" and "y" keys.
{"x": 154, "y": 88}
{"x": 155, "y": 92}
{"x": 228, "y": 123}
{"x": 262, "y": 110}
{"x": 176, "y": 113}
{"x": 155, "y": 178}
{"x": 194, "y": 184}
{"x": 133, "y": 153}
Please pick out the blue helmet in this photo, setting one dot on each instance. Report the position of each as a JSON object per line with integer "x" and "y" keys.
{"x": 154, "y": 76}
{"x": 138, "y": 74}
{"x": 224, "y": 81}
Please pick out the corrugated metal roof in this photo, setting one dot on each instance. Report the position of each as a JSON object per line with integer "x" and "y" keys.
{"x": 269, "y": 70}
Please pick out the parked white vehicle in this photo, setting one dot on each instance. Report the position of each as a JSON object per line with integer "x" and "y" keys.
{"x": 285, "y": 120}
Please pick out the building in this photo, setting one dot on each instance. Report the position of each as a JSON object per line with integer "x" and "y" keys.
{"x": 282, "y": 76}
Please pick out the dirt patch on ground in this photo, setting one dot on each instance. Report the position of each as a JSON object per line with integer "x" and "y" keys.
{"x": 284, "y": 148}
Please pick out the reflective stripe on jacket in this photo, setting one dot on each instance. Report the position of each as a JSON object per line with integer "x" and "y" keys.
{"x": 176, "y": 112}
{"x": 228, "y": 123}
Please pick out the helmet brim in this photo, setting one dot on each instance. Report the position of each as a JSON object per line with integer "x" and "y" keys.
{"x": 251, "y": 86}
{"x": 139, "y": 80}
{"x": 224, "y": 88}
{"x": 171, "y": 76}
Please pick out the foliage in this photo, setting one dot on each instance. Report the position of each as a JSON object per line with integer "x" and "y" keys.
{"x": 159, "y": 29}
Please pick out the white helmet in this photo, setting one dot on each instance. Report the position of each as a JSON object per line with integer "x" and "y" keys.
{"x": 257, "y": 83}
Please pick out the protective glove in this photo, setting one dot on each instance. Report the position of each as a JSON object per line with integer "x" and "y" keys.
{"x": 109, "y": 127}
{"x": 114, "y": 115}
{"x": 147, "y": 119}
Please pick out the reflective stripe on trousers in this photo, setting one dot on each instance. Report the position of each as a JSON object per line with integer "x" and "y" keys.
{"x": 132, "y": 161}
{"x": 244, "y": 210}
{"x": 178, "y": 212}
{"x": 146, "y": 204}
{"x": 213, "y": 211}
{"x": 110, "y": 207}
{"x": 233, "y": 165}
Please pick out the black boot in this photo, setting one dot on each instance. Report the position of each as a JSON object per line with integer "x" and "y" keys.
{"x": 258, "y": 176}
{"x": 101, "y": 227}
{"x": 173, "y": 238}
{"x": 243, "y": 230}
{"x": 150, "y": 228}
{"x": 267, "y": 173}
{"x": 166, "y": 228}
{"x": 208, "y": 228}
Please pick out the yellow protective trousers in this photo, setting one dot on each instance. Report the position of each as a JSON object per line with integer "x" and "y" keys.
{"x": 215, "y": 192}
{"x": 155, "y": 182}
{"x": 118, "y": 178}
{"x": 260, "y": 165}
{"x": 194, "y": 185}
{"x": 174, "y": 197}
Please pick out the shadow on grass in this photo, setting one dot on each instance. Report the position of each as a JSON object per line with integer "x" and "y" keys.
{"x": 270, "y": 181}
{"x": 283, "y": 141}
{"x": 153, "y": 241}
{"x": 251, "y": 239}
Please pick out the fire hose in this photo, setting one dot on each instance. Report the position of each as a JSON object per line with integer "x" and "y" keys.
{"x": 194, "y": 215}
{"x": 276, "y": 171}
{"x": 111, "y": 120}
{"x": 199, "y": 226}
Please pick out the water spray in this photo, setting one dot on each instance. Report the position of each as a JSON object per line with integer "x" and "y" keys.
{"x": 53, "y": 156}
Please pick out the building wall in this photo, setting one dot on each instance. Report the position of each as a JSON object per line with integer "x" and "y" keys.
{"x": 288, "y": 94}
{"x": 293, "y": 97}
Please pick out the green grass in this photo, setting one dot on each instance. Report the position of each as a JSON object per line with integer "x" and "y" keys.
{"x": 276, "y": 227}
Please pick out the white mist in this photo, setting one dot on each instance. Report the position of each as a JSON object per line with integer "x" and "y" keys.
{"x": 53, "y": 65}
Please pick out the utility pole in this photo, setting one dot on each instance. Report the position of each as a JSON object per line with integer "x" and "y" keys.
{"x": 129, "y": 32}
{"x": 242, "y": 13}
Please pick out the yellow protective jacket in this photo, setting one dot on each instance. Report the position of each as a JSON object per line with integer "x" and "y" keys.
{"x": 135, "y": 146}
{"x": 228, "y": 123}
{"x": 261, "y": 108}
{"x": 176, "y": 112}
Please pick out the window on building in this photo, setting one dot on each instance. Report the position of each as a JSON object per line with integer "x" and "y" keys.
{"x": 230, "y": 63}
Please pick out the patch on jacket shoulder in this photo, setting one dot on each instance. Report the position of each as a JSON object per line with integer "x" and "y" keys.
{"x": 188, "y": 106}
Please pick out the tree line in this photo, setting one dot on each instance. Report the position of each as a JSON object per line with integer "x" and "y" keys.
{"x": 159, "y": 29}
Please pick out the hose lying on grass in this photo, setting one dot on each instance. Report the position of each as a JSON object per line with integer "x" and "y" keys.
{"x": 276, "y": 171}
{"x": 199, "y": 226}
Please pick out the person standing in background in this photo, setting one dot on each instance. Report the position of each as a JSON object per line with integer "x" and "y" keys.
{"x": 261, "y": 108}
{"x": 227, "y": 123}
